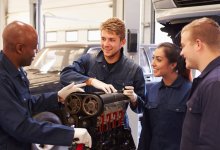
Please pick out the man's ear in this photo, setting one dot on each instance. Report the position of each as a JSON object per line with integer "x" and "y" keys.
{"x": 198, "y": 44}
{"x": 19, "y": 48}
{"x": 123, "y": 42}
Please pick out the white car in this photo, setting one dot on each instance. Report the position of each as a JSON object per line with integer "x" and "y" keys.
{"x": 174, "y": 14}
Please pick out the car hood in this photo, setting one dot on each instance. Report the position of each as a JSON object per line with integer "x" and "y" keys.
{"x": 43, "y": 82}
{"x": 37, "y": 77}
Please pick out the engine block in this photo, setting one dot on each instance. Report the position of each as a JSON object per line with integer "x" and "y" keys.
{"x": 103, "y": 116}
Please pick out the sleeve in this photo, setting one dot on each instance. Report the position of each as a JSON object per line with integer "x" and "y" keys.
{"x": 140, "y": 90}
{"x": 45, "y": 102}
{"x": 76, "y": 72}
{"x": 17, "y": 122}
{"x": 209, "y": 137}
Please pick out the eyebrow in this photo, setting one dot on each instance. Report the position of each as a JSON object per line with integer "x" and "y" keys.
{"x": 158, "y": 56}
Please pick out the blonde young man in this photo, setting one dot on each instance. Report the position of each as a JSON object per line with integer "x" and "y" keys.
{"x": 200, "y": 42}
{"x": 109, "y": 70}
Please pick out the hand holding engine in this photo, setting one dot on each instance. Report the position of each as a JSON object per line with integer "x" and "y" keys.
{"x": 64, "y": 92}
{"x": 107, "y": 88}
{"x": 129, "y": 91}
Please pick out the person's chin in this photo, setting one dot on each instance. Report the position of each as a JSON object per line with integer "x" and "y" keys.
{"x": 107, "y": 54}
{"x": 156, "y": 74}
{"x": 188, "y": 66}
{"x": 29, "y": 63}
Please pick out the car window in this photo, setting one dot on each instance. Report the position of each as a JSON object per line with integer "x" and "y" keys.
{"x": 49, "y": 60}
{"x": 144, "y": 61}
{"x": 94, "y": 50}
{"x": 75, "y": 54}
{"x": 55, "y": 59}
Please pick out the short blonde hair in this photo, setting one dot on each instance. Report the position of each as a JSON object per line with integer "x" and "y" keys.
{"x": 205, "y": 29}
{"x": 114, "y": 25}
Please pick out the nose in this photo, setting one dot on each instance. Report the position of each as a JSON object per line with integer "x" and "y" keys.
{"x": 153, "y": 63}
{"x": 181, "y": 52}
{"x": 36, "y": 50}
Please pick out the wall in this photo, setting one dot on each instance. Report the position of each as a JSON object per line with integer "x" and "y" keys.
{"x": 3, "y": 9}
{"x": 74, "y": 15}
{"x": 66, "y": 15}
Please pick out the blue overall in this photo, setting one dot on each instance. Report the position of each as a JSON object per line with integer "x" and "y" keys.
{"x": 17, "y": 127}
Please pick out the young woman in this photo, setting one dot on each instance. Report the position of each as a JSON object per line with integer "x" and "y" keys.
{"x": 166, "y": 105}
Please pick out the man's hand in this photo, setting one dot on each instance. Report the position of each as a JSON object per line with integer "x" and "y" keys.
{"x": 107, "y": 88}
{"x": 81, "y": 136}
{"x": 129, "y": 92}
{"x": 64, "y": 92}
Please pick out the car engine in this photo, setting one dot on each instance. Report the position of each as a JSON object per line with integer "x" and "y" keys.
{"x": 103, "y": 116}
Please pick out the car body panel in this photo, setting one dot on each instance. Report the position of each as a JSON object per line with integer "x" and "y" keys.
{"x": 174, "y": 14}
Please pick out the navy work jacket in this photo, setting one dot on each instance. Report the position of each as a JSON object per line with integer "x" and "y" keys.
{"x": 202, "y": 121}
{"x": 166, "y": 107}
{"x": 17, "y": 128}
{"x": 124, "y": 73}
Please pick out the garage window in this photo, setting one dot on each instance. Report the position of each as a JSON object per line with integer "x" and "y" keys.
{"x": 51, "y": 36}
{"x": 71, "y": 36}
{"x": 94, "y": 35}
